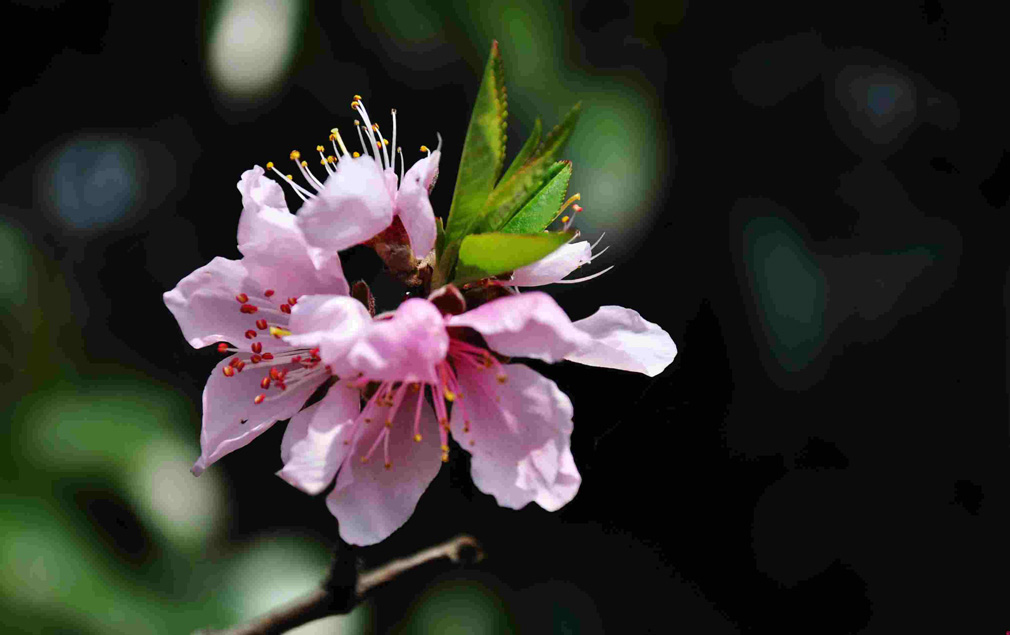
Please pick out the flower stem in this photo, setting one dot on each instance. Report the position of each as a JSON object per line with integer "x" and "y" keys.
{"x": 345, "y": 588}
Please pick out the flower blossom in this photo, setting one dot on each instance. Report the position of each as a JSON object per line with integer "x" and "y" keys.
{"x": 555, "y": 266}
{"x": 361, "y": 194}
{"x": 514, "y": 422}
{"x": 244, "y": 306}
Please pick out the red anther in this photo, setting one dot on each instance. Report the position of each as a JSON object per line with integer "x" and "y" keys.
{"x": 285, "y": 308}
{"x": 296, "y": 358}
{"x": 228, "y": 371}
{"x": 576, "y": 208}
{"x": 259, "y": 399}
{"x": 273, "y": 373}
{"x": 222, "y": 347}
{"x": 248, "y": 308}
{"x": 234, "y": 362}
{"x": 268, "y": 355}
{"x": 240, "y": 366}
{"x": 265, "y": 383}
{"x": 314, "y": 352}
{"x": 255, "y": 359}
{"x": 261, "y": 324}
{"x": 257, "y": 347}
{"x": 242, "y": 298}
{"x": 282, "y": 385}
{"x": 268, "y": 292}
{"x": 250, "y": 334}
{"x": 281, "y": 375}
{"x": 292, "y": 301}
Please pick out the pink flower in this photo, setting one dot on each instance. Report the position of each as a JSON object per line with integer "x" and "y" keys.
{"x": 361, "y": 194}
{"x": 552, "y": 268}
{"x": 515, "y": 422}
{"x": 247, "y": 303}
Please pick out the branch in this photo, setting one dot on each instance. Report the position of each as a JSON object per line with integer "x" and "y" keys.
{"x": 334, "y": 597}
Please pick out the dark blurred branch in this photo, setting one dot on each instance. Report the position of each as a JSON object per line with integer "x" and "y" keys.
{"x": 345, "y": 588}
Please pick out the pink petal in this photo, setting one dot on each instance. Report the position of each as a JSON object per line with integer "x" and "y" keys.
{"x": 520, "y": 432}
{"x": 331, "y": 323}
{"x": 370, "y": 501}
{"x": 413, "y": 206}
{"x": 554, "y": 266}
{"x": 264, "y": 211}
{"x": 623, "y": 339}
{"x": 204, "y": 303}
{"x": 405, "y": 347}
{"x": 313, "y": 446}
{"x": 527, "y": 325}
{"x": 231, "y": 419}
{"x": 354, "y": 206}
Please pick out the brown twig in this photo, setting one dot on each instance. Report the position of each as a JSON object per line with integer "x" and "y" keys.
{"x": 333, "y": 597}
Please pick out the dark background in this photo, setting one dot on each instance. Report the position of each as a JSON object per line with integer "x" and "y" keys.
{"x": 811, "y": 201}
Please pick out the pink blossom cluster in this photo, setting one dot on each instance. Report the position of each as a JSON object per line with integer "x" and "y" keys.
{"x": 395, "y": 386}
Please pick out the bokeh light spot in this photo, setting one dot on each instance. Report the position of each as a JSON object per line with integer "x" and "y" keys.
{"x": 92, "y": 181}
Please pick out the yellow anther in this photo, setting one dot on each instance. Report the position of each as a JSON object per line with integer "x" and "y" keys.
{"x": 356, "y": 155}
{"x": 291, "y": 178}
{"x": 295, "y": 155}
{"x": 305, "y": 164}
{"x": 354, "y": 104}
{"x": 378, "y": 145}
{"x": 277, "y": 331}
{"x": 333, "y": 136}
{"x": 375, "y": 127}
{"x": 417, "y": 438}
{"x": 572, "y": 199}
{"x": 502, "y": 379}
{"x": 357, "y": 123}
{"x": 385, "y": 142}
{"x": 357, "y": 98}
{"x": 270, "y": 165}
{"x": 449, "y": 395}
{"x": 564, "y": 219}
{"x": 331, "y": 159}
{"x": 425, "y": 149}
{"x": 445, "y": 448}
{"x": 445, "y": 458}
{"x": 322, "y": 161}
{"x": 320, "y": 148}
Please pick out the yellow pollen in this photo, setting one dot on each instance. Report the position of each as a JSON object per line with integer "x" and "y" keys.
{"x": 417, "y": 438}
{"x": 277, "y": 331}
{"x": 449, "y": 395}
{"x": 357, "y": 122}
{"x": 564, "y": 219}
{"x": 322, "y": 161}
{"x": 291, "y": 178}
{"x": 295, "y": 155}
{"x": 357, "y": 98}
{"x": 424, "y": 149}
{"x": 331, "y": 159}
{"x": 270, "y": 165}
{"x": 333, "y": 137}
{"x": 378, "y": 145}
{"x": 445, "y": 448}
{"x": 445, "y": 458}
{"x": 356, "y": 155}
{"x": 572, "y": 199}
{"x": 354, "y": 105}
{"x": 305, "y": 164}
{"x": 320, "y": 148}
{"x": 375, "y": 127}
{"x": 385, "y": 142}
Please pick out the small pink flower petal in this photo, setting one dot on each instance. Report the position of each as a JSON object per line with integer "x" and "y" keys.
{"x": 313, "y": 445}
{"x": 623, "y": 339}
{"x": 331, "y": 323}
{"x": 520, "y": 433}
{"x": 527, "y": 325}
{"x": 204, "y": 303}
{"x": 370, "y": 501}
{"x": 405, "y": 347}
{"x": 354, "y": 206}
{"x": 413, "y": 206}
{"x": 265, "y": 213}
{"x": 554, "y": 266}
{"x": 231, "y": 419}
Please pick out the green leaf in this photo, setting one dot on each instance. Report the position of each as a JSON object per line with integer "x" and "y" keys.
{"x": 511, "y": 195}
{"x": 483, "y": 150}
{"x": 525, "y": 152}
{"x": 439, "y": 238}
{"x": 485, "y": 255}
{"x": 544, "y": 207}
